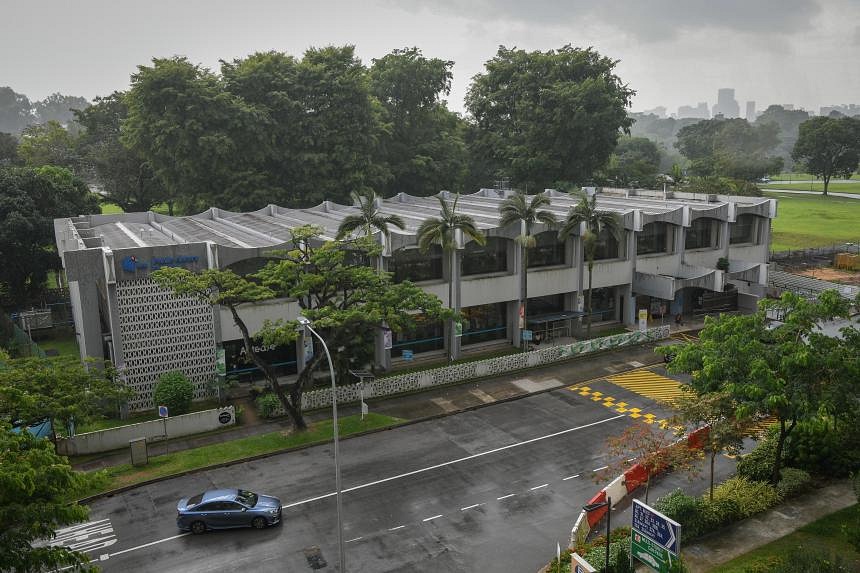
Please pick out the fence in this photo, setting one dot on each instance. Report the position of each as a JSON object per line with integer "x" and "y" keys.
{"x": 812, "y": 253}
{"x": 175, "y": 426}
{"x": 413, "y": 381}
{"x": 18, "y": 342}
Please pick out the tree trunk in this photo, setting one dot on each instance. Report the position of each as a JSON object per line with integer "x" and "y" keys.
{"x": 780, "y": 445}
{"x": 647, "y": 486}
{"x": 452, "y": 334}
{"x": 588, "y": 321}
{"x": 711, "y": 491}
{"x": 525, "y": 299}
{"x": 294, "y": 407}
{"x": 826, "y": 184}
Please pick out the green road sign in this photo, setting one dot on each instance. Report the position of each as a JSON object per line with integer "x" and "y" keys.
{"x": 655, "y": 556}
{"x": 458, "y": 329}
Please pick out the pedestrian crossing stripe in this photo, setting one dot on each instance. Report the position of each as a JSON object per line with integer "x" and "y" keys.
{"x": 620, "y": 407}
{"x": 648, "y": 384}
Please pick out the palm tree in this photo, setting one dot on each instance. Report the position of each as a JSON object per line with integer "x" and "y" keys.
{"x": 442, "y": 231}
{"x": 517, "y": 208}
{"x": 596, "y": 222}
{"x": 369, "y": 217}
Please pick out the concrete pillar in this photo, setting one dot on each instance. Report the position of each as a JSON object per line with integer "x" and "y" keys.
{"x": 381, "y": 355}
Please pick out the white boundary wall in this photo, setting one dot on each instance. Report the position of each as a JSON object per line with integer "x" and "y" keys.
{"x": 414, "y": 381}
{"x": 177, "y": 426}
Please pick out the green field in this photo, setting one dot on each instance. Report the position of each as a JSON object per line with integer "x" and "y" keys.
{"x": 111, "y": 208}
{"x": 814, "y": 221}
{"x": 800, "y": 176}
{"x": 63, "y": 341}
{"x": 817, "y": 186}
{"x": 830, "y": 536}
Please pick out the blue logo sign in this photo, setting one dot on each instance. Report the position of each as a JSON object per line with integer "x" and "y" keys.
{"x": 407, "y": 354}
{"x": 657, "y": 527}
{"x": 131, "y": 264}
{"x": 162, "y": 411}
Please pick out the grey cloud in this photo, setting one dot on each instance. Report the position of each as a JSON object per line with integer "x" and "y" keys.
{"x": 643, "y": 20}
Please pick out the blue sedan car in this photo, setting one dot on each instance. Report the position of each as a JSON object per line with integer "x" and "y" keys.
{"x": 226, "y": 509}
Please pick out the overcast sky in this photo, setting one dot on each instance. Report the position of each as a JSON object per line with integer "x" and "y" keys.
{"x": 672, "y": 52}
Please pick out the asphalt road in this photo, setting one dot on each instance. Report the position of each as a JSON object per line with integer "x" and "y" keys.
{"x": 490, "y": 489}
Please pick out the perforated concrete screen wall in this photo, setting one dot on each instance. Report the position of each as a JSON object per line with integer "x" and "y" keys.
{"x": 162, "y": 333}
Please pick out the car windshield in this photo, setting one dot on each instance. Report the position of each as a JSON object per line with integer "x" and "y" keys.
{"x": 194, "y": 500}
{"x": 247, "y": 498}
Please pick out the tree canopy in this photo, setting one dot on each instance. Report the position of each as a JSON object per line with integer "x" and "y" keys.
{"x": 548, "y": 117}
{"x": 829, "y": 146}
{"x": 635, "y": 162}
{"x": 48, "y": 144}
{"x": 731, "y": 148}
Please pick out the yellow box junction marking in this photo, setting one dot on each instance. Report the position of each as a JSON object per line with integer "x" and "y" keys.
{"x": 648, "y": 384}
{"x": 621, "y": 407}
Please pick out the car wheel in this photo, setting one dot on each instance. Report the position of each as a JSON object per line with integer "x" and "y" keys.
{"x": 258, "y": 523}
{"x": 198, "y": 527}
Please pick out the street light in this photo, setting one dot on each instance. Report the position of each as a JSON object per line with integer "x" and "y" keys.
{"x": 608, "y": 505}
{"x": 305, "y": 322}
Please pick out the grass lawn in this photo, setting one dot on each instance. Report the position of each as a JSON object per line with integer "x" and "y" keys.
{"x": 800, "y": 176}
{"x": 830, "y": 535}
{"x": 159, "y": 466}
{"x": 63, "y": 342}
{"x": 95, "y": 425}
{"x": 814, "y": 221}
{"x": 111, "y": 208}
{"x": 817, "y": 186}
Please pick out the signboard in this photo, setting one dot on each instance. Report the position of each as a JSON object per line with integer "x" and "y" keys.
{"x": 220, "y": 361}
{"x": 458, "y": 329}
{"x": 578, "y": 564}
{"x": 528, "y": 335}
{"x": 162, "y": 411}
{"x": 655, "y": 538}
{"x": 386, "y": 338}
{"x": 643, "y": 319}
{"x": 407, "y": 355}
{"x": 225, "y": 417}
{"x": 522, "y": 319}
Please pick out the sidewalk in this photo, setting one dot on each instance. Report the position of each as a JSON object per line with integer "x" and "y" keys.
{"x": 426, "y": 404}
{"x": 743, "y": 537}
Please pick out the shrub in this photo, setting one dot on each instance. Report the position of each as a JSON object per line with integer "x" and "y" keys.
{"x": 822, "y": 447}
{"x": 619, "y": 557}
{"x": 857, "y": 485}
{"x": 685, "y": 509}
{"x": 792, "y": 482}
{"x": 810, "y": 560}
{"x": 758, "y": 464}
{"x": 720, "y": 512}
{"x": 751, "y": 497}
{"x": 268, "y": 405}
{"x": 175, "y": 391}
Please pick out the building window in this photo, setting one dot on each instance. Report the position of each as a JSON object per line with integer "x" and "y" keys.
{"x": 607, "y": 246}
{"x": 653, "y": 238}
{"x": 413, "y": 265}
{"x": 743, "y": 230}
{"x": 239, "y": 364}
{"x": 489, "y": 258}
{"x": 426, "y": 336}
{"x": 701, "y": 234}
{"x": 485, "y": 322}
{"x": 546, "y": 304}
{"x": 602, "y": 304}
{"x": 548, "y": 250}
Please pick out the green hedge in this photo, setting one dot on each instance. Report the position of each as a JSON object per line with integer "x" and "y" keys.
{"x": 267, "y": 405}
{"x": 793, "y": 482}
{"x": 822, "y": 447}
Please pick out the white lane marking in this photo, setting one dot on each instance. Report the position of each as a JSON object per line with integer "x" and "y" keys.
{"x": 150, "y": 544}
{"x": 598, "y": 469}
{"x": 471, "y": 506}
{"x": 456, "y": 461}
{"x": 569, "y": 477}
{"x": 104, "y": 556}
{"x": 538, "y": 487}
{"x": 396, "y": 528}
{"x": 632, "y": 460}
{"x": 354, "y": 539}
{"x": 505, "y": 496}
{"x": 432, "y": 518}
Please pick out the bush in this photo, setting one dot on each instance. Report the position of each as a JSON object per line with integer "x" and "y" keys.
{"x": 720, "y": 512}
{"x": 687, "y": 510}
{"x": 619, "y": 557}
{"x": 751, "y": 497}
{"x": 268, "y": 405}
{"x": 805, "y": 560}
{"x": 175, "y": 391}
{"x": 819, "y": 446}
{"x": 857, "y": 485}
{"x": 792, "y": 482}
{"x": 758, "y": 464}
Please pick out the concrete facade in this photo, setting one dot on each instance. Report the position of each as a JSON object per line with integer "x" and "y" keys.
{"x": 671, "y": 247}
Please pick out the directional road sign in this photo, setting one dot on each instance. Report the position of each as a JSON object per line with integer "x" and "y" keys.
{"x": 162, "y": 411}
{"x": 657, "y": 527}
{"x": 655, "y": 556}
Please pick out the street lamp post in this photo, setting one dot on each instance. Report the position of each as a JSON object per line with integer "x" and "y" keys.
{"x": 305, "y": 322}
{"x": 608, "y": 505}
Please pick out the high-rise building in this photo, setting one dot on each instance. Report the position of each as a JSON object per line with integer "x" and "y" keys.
{"x": 659, "y": 111}
{"x": 750, "y": 111}
{"x": 727, "y": 105}
{"x": 700, "y": 111}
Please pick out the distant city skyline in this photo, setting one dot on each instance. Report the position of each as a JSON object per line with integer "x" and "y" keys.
{"x": 672, "y": 52}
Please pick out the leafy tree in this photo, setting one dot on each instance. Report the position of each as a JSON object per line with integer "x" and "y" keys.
{"x": 596, "y": 222}
{"x": 48, "y": 144}
{"x": 346, "y": 300}
{"x": 62, "y": 390}
{"x": 829, "y": 146}
{"x": 518, "y": 209}
{"x": 35, "y": 488}
{"x": 776, "y": 372}
{"x": 544, "y": 117}
{"x": 60, "y": 108}
{"x": 422, "y": 147}
{"x": 443, "y": 231}
{"x": 8, "y": 150}
{"x": 789, "y": 121}
{"x": 125, "y": 177}
{"x": 731, "y": 148}
{"x": 370, "y": 217}
{"x": 193, "y": 134}
{"x": 635, "y": 161}
{"x": 717, "y": 411}
{"x": 651, "y": 447}
{"x": 29, "y": 201}
{"x": 175, "y": 391}
{"x": 15, "y": 111}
